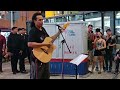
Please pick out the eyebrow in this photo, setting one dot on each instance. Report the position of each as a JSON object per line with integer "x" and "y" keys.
{"x": 40, "y": 19}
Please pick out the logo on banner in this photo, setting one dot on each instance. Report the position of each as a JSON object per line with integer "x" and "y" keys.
{"x": 71, "y": 33}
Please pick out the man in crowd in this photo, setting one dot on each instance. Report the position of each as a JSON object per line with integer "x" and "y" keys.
{"x": 14, "y": 47}
{"x": 110, "y": 44}
{"x": 91, "y": 38}
{"x": 2, "y": 49}
{"x": 23, "y": 49}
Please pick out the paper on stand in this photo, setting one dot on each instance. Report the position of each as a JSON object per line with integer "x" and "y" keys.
{"x": 79, "y": 59}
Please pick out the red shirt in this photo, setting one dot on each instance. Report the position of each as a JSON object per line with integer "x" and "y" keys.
{"x": 2, "y": 41}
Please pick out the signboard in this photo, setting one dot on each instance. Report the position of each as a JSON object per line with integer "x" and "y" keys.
{"x": 75, "y": 36}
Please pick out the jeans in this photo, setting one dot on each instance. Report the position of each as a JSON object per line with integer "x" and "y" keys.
{"x": 39, "y": 70}
{"x": 108, "y": 59}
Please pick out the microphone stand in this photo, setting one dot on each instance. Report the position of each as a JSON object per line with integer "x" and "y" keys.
{"x": 63, "y": 41}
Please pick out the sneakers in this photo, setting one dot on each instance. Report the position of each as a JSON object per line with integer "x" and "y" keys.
{"x": 24, "y": 72}
{"x": 17, "y": 71}
{"x": 96, "y": 69}
{"x": 14, "y": 72}
{"x": 115, "y": 72}
{"x": 99, "y": 72}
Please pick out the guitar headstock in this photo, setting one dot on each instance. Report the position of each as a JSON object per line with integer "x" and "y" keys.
{"x": 66, "y": 25}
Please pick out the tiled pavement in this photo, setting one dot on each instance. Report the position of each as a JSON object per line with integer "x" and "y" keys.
{"x": 7, "y": 74}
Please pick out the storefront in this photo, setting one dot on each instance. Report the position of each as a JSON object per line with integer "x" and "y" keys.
{"x": 5, "y": 32}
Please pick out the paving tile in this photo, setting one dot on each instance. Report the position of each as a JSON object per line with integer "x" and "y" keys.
{"x": 7, "y": 74}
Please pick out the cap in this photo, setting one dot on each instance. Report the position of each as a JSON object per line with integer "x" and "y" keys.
{"x": 108, "y": 30}
{"x": 98, "y": 30}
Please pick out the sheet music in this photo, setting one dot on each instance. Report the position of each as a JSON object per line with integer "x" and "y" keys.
{"x": 79, "y": 59}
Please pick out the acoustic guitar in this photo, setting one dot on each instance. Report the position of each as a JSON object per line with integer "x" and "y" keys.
{"x": 43, "y": 53}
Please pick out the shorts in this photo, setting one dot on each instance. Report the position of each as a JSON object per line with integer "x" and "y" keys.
{"x": 97, "y": 53}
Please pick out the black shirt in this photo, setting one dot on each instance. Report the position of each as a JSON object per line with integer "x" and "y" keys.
{"x": 111, "y": 41}
{"x": 36, "y": 35}
{"x": 118, "y": 53}
{"x": 14, "y": 43}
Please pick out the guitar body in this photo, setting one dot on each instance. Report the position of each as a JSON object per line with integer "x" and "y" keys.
{"x": 44, "y": 54}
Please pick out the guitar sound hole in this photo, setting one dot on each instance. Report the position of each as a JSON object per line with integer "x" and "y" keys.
{"x": 44, "y": 50}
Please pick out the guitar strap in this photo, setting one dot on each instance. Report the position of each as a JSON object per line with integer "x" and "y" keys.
{"x": 46, "y": 34}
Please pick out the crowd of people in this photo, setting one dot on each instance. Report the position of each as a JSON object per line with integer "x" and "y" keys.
{"x": 15, "y": 48}
{"x": 102, "y": 50}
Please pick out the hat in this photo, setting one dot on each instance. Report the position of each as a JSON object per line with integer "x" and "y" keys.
{"x": 108, "y": 30}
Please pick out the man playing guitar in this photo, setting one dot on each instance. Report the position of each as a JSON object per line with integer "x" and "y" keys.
{"x": 37, "y": 35}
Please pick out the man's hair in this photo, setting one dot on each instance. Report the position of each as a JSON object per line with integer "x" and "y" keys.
{"x": 0, "y": 30}
{"x": 19, "y": 29}
{"x": 97, "y": 30}
{"x": 34, "y": 17}
{"x": 22, "y": 28}
{"x": 14, "y": 28}
{"x": 90, "y": 25}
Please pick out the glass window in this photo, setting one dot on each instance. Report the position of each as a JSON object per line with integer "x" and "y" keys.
{"x": 107, "y": 21}
{"x": 94, "y": 19}
{"x": 46, "y": 21}
{"x": 72, "y": 18}
{"x": 64, "y": 19}
{"x": 78, "y": 17}
{"x": 52, "y": 20}
{"x": 59, "y": 19}
{"x": 117, "y": 26}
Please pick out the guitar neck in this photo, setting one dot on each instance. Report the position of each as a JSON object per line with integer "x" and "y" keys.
{"x": 55, "y": 37}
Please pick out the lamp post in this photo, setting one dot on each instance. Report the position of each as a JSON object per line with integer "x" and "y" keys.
{"x": 11, "y": 18}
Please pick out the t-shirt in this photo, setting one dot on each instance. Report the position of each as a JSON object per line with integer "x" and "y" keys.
{"x": 36, "y": 35}
{"x": 14, "y": 43}
{"x": 2, "y": 41}
{"x": 111, "y": 40}
{"x": 91, "y": 38}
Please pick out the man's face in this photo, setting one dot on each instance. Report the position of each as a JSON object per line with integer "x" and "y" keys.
{"x": 90, "y": 28}
{"x": 15, "y": 30}
{"x": 109, "y": 32}
{"x": 39, "y": 21}
{"x": 24, "y": 31}
{"x": 20, "y": 32}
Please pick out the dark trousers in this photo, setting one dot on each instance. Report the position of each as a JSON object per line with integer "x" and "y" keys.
{"x": 39, "y": 70}
{"x": 117, "y": 65}
{"x": 0, "y": 61}
{"x": 108, "y": 60}
{"x": 14, "y": 61}
{"x": 28, "y": 54}
{"x": 22, "y": 61}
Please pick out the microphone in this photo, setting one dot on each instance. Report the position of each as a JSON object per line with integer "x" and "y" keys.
{"x": 64, "y": 26}
{"x": 59, "y": 26}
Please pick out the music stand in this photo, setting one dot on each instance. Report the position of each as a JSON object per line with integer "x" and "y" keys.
{"x": 78, "y": 60}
